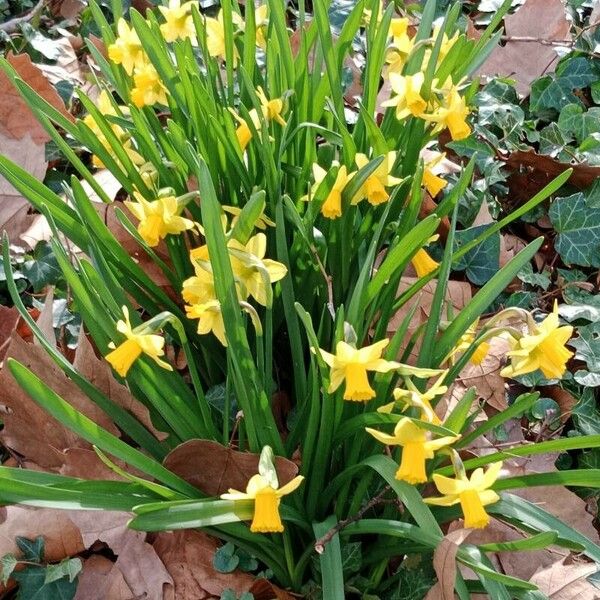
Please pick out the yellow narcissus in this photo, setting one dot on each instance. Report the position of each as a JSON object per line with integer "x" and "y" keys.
{"x": 374, "y": 187}
{"x": 158, "y": 218}
{"x": 127, "y": 49}
{"x": 417, "y": 448}
{"x": 178, "y": 23}
{"x": 472, "y": 493}
{"x": 542, "y": 348}
{"x": 136, "y": 343}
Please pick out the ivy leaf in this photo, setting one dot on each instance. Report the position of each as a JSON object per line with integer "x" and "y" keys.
{"x": 585, "y": 414}
{"x": 32, "y": 550}
{"x": 551, "y": 93}
{"x": 225, "y": 559}
{"x": 578, "y": 228}
{"x": 574, "y": 120}
{"x": 42, "y": 268}
{"x": 481, "y": 263}
{"x": 587, "y": 379}
{"x": 8, "y": 563}
{"x": 33, "y": 586}
{"x": 69, "y": 568}
{"x": 587, "y": 346}
{"x": 527, "y": 275}
{"x": 552, "y": 140}
{"x": 351, "y": 557}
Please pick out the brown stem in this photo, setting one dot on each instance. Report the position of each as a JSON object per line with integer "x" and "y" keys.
{"x": 322, "y": 541}
{"x": 14, "y": 24}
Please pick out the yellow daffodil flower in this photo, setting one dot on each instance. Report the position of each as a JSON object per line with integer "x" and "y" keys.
{"x": 250, "y": 267}
{"x": 215, "y": 34}
{"x": 417, "y": 447}
{"x": 127, "y": 49}
{"x": 423, "y": 263}
{"x": 401, "y": 46}
{"x": 332, "y": 207}
{"x": 264, "y": 489}
{"x": 433, "y": 183}
{"x": 199, "y": 288}
{"x": 271, "y": 111}
{"x": 367, "y": 15}
{"x": 407, "y": 99}
{"x": 412, "y": 397}
{"x": 373, "y": 189}
{"x": 445, "y": 47}
{"x": 210, "y": 319}
{"x": 473, "y": 494}
{"x": 261, "y": 20}
{"x": 351, "y": 364}
{"x": 178, "y": 21}
{"x": 136, "y": 344}
{"x": 158, "y": 218}
{"x": 452, "y": 114}
{"x": 465, "y": 343}
{"x": 149, "y": 89}
{"x": 543, "y": 348}
{"x": 106, "y": 107}
{"x": 262, "y": 222}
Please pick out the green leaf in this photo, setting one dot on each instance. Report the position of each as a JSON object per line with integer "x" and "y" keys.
{"x": 578, "y": 228}
{"x": 332, "y": 570}
{"x": 70, "y": 568}
{"x": 8, "y": 563}
{"x": 33, "y": 586}
{"x": 574, "y": 120}
{"x": 535, "y": 542}
{"x": 32, "y": 550}
{"x": 587, "y": 346}
{"x": 585, "y": 415}
{"x": 527, "y": 275}
{"x": 42, "y": 268}
{"x": 225, "y": 560}
{"x": 482, "y": 262}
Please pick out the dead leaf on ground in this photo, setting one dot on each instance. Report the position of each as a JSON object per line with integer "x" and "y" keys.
{"x": 214, "y": 469}
{"x": 28, "y": 429}
{"x": 525, "y": 61}
{"x": 510, "y": 246}
{"x": 531, "y": 172}
{"x": 66, "y": 66}
{"x": 458, "y": 294}
{"x": 188, "y": 557}
{"x": 137, "y": 560}
{"x": 567, "y": 580}
{"x": 16, "y": 119}
{"x": 444, "y": 563}
{"x": 101, "y": 579}
{"x": 9, "y": 320}
{"x": 486, "y": 377}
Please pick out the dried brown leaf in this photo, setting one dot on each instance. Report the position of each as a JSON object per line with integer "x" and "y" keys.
{"x": 101, "y": 579}
{"x": 567, "y": 581}
{"x": 16, "y": 119}
{"x": 27, "y": 427}
{"x": 188, "y": 557}
{"x": 214, "y": 469}
{"x": 444, "y": 563}
{"x": 525, "y": 61}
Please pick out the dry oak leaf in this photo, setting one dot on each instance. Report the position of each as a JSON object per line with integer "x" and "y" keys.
{"x": 16, "y": 119}
{"x": 567, "y": 581}
{"x": 458, "y": 294}
{"x": 137, "y": 560}
{"x": 525, "y": 61}
{"x": 214, "y": 469}
{"x": 28, "y": 429}
{"x": 101, "y": 579}
{"x": 444, "y": 563}
{"x": 188, "y": 556}
{"x": 486, "y": 377}
{"x": 9, "y": 320}
{"x": 532, "y": 171}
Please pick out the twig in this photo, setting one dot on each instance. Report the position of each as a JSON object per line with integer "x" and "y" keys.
{"x": 328, "y": 281}
{"x": 13, "y": 25}
{"x": 322, "y": 541}
{"x": 547, "y": 42}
